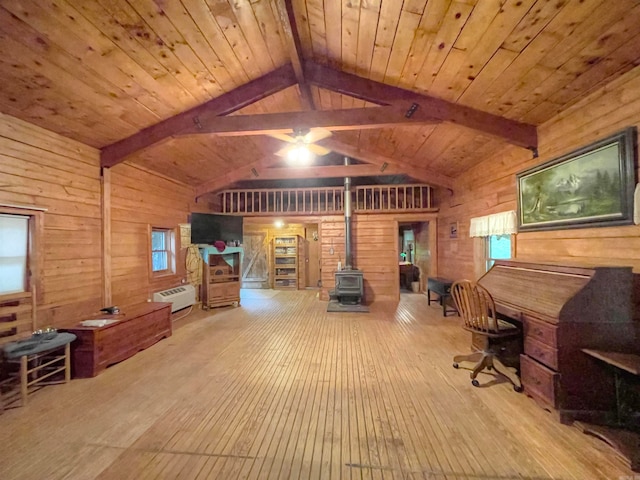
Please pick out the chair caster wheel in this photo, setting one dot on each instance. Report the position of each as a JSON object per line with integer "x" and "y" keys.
{"x": 517, "y": 388}
{"x": 475, "y": 383}
{"x": 455, "y": 365}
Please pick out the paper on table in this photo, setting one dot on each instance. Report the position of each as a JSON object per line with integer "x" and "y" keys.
{"x": 98, "y": 322}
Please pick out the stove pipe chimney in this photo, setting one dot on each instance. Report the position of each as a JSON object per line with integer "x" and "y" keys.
{"x": 347, "y": 219}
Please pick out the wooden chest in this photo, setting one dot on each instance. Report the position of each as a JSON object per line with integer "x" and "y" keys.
{"x": 137, "y": 328}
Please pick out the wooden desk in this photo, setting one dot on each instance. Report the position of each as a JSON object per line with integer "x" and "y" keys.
{"x": 442, "y": 287}
{"x": 629, "y": 362}
{"x": 559, "y": 317}
{"x": 624, "y": 433}
{"x": 136, "y": 328}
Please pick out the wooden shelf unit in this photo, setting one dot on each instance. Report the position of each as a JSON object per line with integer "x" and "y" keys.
{"x": 286, "y": 249}
{"x": 221, "y": 276}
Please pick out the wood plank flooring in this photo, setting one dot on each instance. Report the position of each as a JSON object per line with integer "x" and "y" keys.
{"x": 279, "y": 388}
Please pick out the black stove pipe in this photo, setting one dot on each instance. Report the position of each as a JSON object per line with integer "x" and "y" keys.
{"x": 347, "y": 220}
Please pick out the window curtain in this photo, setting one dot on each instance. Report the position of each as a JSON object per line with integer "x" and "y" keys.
{"x": 503, "y": 223}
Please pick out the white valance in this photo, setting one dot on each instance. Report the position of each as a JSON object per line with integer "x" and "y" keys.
{"x": 503, "y": 223}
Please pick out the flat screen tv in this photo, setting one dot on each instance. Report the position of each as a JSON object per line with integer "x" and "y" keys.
{"x": 207, "y": 228}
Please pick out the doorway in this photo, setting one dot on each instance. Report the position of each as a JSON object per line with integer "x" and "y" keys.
{"x": 414, "y": 256}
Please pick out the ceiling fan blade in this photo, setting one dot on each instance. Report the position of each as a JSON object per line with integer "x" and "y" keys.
{"x": 284, "y": 151}
{"x": 316, "y": 135}
{"x": 283, "y": 137}
{"x": 318, "y": 150}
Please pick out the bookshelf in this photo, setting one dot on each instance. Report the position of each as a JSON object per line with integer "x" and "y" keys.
{"x": 285, "y": 262}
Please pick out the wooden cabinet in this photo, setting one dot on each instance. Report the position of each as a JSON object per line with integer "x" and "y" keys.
{"x": 286, "y": 271}
{"x": 136, "y": 328}
{"x": 221, "y": 277}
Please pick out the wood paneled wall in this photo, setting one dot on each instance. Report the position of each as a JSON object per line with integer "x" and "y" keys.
{"x": 375, "y": 251}
{"x": 490, "y": 187}
{"x": 42, "y": 169}
{"x": 264, "y": 267}
{"x": 140, "y": 200}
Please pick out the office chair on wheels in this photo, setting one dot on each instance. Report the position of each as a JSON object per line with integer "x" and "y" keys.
{"x": 478, "y": 311}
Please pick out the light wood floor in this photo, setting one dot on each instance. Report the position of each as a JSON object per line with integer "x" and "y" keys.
{"x": 278, "y": 388}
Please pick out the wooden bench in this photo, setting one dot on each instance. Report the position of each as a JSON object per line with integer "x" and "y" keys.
{"x": 38, "y": 362}
{"x": 441, "y": 287}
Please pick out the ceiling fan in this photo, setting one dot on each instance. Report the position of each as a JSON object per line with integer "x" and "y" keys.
{"x": 302, "y": 144}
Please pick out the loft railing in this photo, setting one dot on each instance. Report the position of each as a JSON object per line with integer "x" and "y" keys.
{"x": 326, "y": 200}
{"x": 392, "y": 198}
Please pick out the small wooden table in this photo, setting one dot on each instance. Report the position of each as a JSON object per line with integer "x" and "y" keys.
{"x": 624, "y": 434}
{"x": 442, "y": 287}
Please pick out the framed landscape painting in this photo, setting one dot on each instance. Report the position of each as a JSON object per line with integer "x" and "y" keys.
{"x": 590, "y": 187}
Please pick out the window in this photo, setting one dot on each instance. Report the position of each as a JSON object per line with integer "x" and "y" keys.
{"x": 162, "y": 251}
{"x": 494, "y": 239}
{"x": 14, "y": 248}
{"x": 498, "y": 248}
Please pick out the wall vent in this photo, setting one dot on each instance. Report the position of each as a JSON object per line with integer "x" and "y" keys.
{"x": 180, "y": 297}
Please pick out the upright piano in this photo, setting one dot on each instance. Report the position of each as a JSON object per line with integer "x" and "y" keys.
{"x": 563, "y": 309}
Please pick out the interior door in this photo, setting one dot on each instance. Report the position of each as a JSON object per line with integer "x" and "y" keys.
{"x": 313, "y": 258}
{"x": 255, "y": 271}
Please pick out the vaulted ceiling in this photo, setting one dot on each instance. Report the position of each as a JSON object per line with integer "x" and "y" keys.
{"x": 429, "y": 87}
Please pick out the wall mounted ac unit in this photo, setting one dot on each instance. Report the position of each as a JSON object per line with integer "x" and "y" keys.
{"x": 181, "y": 297}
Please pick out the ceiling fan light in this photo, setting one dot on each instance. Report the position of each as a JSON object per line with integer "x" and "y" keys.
{"x": 299, "y": 155}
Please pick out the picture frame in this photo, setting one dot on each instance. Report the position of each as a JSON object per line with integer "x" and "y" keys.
{"x": 453, "y": 230}
{"x": 589, "y": 187}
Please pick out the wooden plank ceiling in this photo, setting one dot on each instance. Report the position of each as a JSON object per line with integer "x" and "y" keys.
{"x": 158, "y": 82}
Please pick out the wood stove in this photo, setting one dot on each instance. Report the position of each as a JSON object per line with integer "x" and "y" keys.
{"x": 349, "y": 286}
{"x": 349, "y": 282}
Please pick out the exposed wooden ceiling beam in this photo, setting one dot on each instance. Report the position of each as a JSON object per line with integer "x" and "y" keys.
{"x": 235, "y": 175}
{"x": 424, "y": 175}
{"x": 229, "y": 102}
{"x": 517, "y": 133}
{"x": 293, "y": 44}
{"x": 286, "y": 122}
{"x": 337, "y": 171}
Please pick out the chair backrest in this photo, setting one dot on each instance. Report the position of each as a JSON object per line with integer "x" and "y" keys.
{"x": 475, "y": 305}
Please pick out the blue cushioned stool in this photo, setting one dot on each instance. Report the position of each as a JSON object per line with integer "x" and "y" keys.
{"x": 40, "y": 359}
